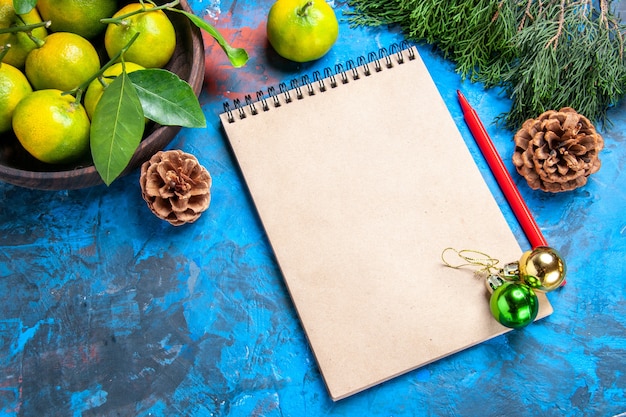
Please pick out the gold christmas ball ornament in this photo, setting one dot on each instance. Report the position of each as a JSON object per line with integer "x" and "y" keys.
{"x": 542, "y": 268}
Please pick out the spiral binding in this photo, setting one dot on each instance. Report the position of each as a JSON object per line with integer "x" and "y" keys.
{"x": 299, "y": 88}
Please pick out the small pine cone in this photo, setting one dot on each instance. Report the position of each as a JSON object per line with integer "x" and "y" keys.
{"x": 557, "y": 151}
{"x": 175, "y": 186}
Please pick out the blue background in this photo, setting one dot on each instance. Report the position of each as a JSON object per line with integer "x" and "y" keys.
{"x": 108, "y": 310}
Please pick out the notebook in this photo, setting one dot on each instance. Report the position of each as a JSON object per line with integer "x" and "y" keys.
{"x": 361, "y": 179}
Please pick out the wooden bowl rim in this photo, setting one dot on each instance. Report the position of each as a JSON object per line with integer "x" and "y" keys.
{"x": 68, "y": 179}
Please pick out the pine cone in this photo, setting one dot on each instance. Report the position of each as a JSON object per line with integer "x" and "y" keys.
{"x": 557, "y": 151}
{"x": 175, "y": 186}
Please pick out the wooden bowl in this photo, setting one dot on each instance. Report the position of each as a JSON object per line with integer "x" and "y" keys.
{"x": 19, "y": 168}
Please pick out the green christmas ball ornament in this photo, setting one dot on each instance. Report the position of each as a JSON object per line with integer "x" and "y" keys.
{"x": 514, "y": 305}
{"x": 542, "y": 268}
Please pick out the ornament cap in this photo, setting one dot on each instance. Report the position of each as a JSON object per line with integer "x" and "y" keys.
{"x": 510, "y": 271}
{"x": 493, "y": 282}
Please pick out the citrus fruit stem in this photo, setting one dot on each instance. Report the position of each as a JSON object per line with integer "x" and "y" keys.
{"x": 29, "y": 31}
{"x": 78, "y": 91}
{"x": 303, "y": 10}
{"x": 37, "y": 41}
{"x": 25, "y": 28}
{"x": 120, "y": 20}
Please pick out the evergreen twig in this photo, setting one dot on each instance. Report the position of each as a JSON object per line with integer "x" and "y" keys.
{"x": 544, "y": 54}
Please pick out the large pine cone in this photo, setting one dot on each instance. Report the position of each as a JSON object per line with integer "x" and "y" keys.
{"x": 557, "y": 151}
{"x": 175, "y": 186}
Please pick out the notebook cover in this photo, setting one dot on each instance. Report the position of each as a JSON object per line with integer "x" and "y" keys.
{"x": 360, "y": 188}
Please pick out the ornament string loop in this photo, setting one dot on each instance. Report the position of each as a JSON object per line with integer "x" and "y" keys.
{"x": 470, "y": 257}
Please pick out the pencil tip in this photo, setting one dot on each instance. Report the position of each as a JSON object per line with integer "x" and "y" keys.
{"x": 465, "y": 106}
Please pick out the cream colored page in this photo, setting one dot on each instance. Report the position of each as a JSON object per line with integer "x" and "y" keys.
{"x": 360, "y": 189}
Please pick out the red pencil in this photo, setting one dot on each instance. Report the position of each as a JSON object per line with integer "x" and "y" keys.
{"x": 508, "y": 187}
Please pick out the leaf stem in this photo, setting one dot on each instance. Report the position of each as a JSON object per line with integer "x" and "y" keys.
{"x": 78, "y": 91}
{"x": 25, "y": 28}
{"x": 120, "y": 19}
{"x": 237, "y": 56}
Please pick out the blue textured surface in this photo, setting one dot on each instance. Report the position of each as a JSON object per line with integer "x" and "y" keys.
{"x": 109, "y": 311}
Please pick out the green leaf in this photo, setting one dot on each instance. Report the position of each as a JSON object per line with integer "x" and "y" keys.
{"x": 24, "y": 6}
{"x": 237, "y": 56}
{"x": 167, "y": 99}
{"x": 117, "y": 128}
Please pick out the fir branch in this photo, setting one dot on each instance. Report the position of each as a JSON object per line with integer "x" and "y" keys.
{"x": 570, "y": 56}
{"x": 545, "y": 54}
